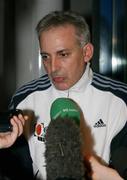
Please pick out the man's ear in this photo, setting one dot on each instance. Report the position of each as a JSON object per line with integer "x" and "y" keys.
{"x": 88, "y": 52}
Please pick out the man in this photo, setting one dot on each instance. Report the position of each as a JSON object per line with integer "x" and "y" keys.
{"x": 66, "y": 51}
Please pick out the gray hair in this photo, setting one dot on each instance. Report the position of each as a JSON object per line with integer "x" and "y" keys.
{"x": 61, "y": 18}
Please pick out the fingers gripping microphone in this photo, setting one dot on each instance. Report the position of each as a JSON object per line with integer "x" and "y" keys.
{"x": 63, "y": 142}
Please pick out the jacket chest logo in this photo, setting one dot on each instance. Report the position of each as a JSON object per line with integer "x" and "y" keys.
{"x": 40, "y": 131}
{"x": 99, "y": 124}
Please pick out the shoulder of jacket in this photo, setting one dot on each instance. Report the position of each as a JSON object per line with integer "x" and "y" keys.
{"x": 40, "y": 84}
{"x": 104, "y": 83}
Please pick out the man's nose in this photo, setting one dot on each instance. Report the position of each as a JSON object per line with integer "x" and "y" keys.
{"x": 55, "y": 64}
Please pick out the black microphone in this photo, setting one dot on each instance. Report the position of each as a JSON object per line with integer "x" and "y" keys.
{"x": 64, "y": 160}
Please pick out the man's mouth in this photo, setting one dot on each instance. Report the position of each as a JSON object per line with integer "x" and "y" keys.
{"x": 58, "y": 79}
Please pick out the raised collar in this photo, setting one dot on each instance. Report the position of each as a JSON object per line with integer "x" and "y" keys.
{"x": 84, "y": 81}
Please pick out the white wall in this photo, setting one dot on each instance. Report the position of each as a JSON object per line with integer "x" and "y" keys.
{"x": 28, "y": 13}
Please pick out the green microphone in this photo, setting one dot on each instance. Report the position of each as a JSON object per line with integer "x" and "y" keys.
{"x": 63, "y": 142}
{"x": 65, "y": 108}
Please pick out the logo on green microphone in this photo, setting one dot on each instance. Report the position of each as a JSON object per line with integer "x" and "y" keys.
{"x": 65, "y": 108}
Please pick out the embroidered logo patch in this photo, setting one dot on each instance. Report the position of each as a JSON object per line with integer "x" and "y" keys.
{"x": 40, "y": 131}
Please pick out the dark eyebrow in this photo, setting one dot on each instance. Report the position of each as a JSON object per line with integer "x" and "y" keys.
{"x": 41, "y": 53}
{"x": 58, "y": 52}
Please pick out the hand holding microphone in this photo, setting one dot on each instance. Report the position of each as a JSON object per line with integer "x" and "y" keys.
{"x": 11, "y": 126}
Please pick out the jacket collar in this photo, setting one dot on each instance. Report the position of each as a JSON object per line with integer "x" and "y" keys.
{"x": 84, "y": 81}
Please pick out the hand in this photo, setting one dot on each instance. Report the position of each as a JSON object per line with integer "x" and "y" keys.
{"x": 8, "y": 138}
{"x": 102, "y": 172}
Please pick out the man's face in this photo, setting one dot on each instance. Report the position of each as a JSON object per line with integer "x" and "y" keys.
{"x": 63, "y": 58}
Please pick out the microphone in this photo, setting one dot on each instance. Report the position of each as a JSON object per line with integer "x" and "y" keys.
{"x": 65, "y": 107}
{"x": 63, "y": 142}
